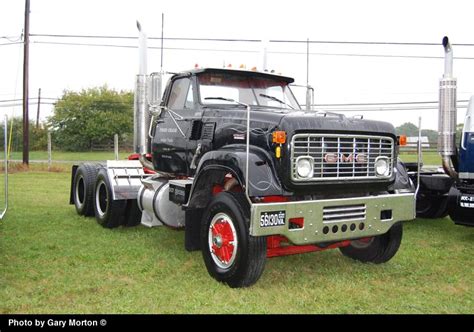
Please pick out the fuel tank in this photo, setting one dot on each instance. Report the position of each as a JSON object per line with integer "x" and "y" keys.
{"x": 157, "y": 209}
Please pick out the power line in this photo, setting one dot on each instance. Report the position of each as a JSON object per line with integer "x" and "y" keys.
{"x": 12, "y": 43}
{"x": 381, "y": 109}
{"x": 388, "y": 103}
{"x": 151, "y": 38}
{"x": 83, "y": 44}
{"x": 251, "y": 51}
{"x": 149, "y": 47}
{"x": 12, "y": 39}
{"x": 31, "y": 98}
{"x": 381, "y": 43}
{"x": 423, "y": 104}
{"x": 29, "y": 103}
{"x": 373, "y": 55}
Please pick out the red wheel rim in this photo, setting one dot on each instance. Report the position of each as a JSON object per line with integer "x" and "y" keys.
{"x": 222, "y": 238}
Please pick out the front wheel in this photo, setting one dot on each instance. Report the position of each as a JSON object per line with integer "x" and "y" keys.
{"x": 231, "y": 255}
{"x": 377, "y": 249}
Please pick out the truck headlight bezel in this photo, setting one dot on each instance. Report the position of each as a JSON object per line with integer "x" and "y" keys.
{"x": 305, "y": 167}
{"x": 382, "y": 166}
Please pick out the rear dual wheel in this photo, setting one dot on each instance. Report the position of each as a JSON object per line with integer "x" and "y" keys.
{"x": 83, "y": 189}
{"x": 112, "y": 213}
{"x": 92, "y": 195}
{"x": 108, "y": 212}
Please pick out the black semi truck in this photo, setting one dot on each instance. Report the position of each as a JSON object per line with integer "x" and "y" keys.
{"x": 230, "y": 157}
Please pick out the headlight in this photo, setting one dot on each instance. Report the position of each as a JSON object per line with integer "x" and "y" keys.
{"x": 382, "y": 166}
{"x": 304, "y": 167}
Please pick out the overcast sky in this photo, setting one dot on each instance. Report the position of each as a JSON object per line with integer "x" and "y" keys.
{"x": 336, "y": 78}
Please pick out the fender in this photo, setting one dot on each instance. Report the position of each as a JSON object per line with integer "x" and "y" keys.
{"x": 402, "y": 182}
{"x": 214, "y": 165}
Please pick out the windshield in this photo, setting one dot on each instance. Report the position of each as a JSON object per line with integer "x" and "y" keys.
{"x": 254, "y": 91}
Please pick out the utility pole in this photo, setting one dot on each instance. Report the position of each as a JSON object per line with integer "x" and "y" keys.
{"x": 38, "y": 109}
{"x": 26, "y": 51}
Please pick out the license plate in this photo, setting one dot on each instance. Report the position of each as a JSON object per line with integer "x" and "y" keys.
{"x": 466, "y": 201}
{"x": 272, "y": 218}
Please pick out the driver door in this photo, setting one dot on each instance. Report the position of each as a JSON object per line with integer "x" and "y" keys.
{"x": 172, "y": 149}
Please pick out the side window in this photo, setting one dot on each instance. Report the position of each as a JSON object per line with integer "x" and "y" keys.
{"x": 189, "y": 98}
{"x": 181, "y": 95}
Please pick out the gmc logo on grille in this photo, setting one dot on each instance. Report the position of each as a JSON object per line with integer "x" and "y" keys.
{"x": 333, "y": 158}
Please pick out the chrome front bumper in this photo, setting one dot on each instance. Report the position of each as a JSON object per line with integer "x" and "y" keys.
{"x": 332, "y": 219}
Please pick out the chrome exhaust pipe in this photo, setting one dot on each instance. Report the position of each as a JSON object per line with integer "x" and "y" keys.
{"x": 141, "y": 117}
{"x": 447, "y": 113}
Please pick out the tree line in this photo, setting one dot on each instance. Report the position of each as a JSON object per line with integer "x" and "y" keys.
{"x": 411, "y": 130}
{"x": 81, "y": 120}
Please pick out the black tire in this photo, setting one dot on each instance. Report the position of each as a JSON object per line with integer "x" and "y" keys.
{"x": 247, "y": 262}
{"x": 83, "y": 189}
{"x": 108, "y": 213}
{"x": 431, "y": 207}
{"x": 379, "y": 249}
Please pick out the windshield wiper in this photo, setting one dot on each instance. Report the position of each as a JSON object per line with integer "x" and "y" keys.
{"x": 276, "y": 99}
{"x": 224, "y": 99}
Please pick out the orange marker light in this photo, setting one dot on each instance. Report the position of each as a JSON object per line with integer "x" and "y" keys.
{"x": 279, "y": 137}
{"x": 402, "y": 140}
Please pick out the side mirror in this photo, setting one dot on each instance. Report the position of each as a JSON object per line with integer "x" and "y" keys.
{"x": 155, "y": 92}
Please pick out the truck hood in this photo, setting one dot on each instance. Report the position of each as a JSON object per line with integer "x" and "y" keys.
{"x": 308, "y": 121}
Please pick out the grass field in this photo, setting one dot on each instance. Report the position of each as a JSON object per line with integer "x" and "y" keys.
{"x": 428, "y": 158}
{"x": 69, "y": 156}
{"x": 54, "y": 261}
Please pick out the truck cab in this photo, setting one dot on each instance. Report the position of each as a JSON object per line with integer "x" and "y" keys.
{"x": 201, "y": 109}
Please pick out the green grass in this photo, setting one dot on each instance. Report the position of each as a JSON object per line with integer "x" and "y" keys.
{"x": 70, "y": 156}
{"x": 429, "y": 158}
{"x": 54, "y": 261}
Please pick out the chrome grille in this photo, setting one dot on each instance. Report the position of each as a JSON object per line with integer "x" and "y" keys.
{"x": 341, "y": 157}
{"x": 344, "y": 213}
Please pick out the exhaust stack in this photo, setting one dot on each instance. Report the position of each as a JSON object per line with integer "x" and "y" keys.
{"x": 447, "y": 112}
{"x": 141, "y": 118}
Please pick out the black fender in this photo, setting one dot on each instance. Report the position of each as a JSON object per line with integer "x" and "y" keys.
{"x": 402, "y": 179}
{"x": 214, "y": 165}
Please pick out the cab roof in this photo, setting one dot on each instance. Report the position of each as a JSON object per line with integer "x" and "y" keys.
{"x": 247, "y": 73}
